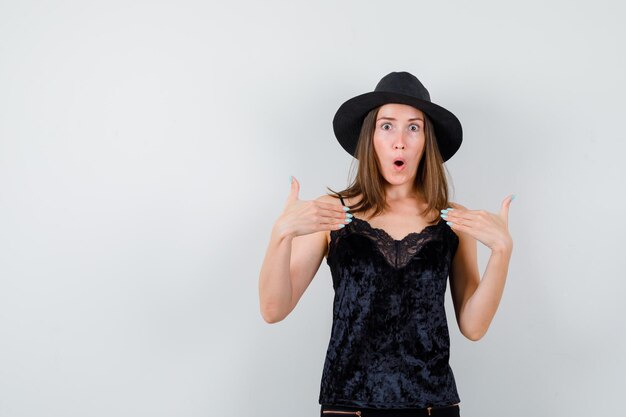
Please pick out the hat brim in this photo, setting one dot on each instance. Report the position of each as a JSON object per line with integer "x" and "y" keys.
{"x": 348, "y": 120}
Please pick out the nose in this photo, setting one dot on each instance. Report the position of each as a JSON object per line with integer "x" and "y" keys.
{"x": 399, "y": 142}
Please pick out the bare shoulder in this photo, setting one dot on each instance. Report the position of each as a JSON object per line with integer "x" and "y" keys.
{"x": 457, "y": 205}
{"x": 334, "y": 199}
{"x": 326, "y": 198}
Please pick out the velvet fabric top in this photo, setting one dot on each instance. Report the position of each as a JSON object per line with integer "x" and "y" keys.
{"x": 389, "y": 343}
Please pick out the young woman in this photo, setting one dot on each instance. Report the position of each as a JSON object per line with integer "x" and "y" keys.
{"x": 391, "y": 240}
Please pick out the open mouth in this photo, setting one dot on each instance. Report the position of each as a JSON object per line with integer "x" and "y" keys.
{"x": 399, "y": 164}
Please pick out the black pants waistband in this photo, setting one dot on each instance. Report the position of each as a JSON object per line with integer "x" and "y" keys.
{"x": 348, "y": 411}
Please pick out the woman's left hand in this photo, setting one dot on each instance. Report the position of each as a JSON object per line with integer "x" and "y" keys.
{"x": 489, "y": 228}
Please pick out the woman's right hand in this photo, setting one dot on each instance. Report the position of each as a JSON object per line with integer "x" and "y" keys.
{"x": 302, "y": 217}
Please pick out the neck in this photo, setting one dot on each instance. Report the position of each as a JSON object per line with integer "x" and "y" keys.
{"x": 401, "y": 192}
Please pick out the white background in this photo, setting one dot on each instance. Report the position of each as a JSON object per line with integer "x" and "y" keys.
{"x": 145, "y": 152}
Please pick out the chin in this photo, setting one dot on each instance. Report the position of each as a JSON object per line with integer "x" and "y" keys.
{"x": 397, "y": 181}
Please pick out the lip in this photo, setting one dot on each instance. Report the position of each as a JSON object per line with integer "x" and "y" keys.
{"x": 398, "y": 168}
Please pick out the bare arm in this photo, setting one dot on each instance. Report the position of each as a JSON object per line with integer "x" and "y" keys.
{"x": 292, "y": 259}
{"x": 282, "y": 284}
{"x": 476, "y": 300}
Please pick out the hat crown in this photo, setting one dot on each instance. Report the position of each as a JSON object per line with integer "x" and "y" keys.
{"x": 403, "y": 83}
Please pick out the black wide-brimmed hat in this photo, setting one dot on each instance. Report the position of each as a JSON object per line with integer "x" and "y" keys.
{"x": 402, "y": 88}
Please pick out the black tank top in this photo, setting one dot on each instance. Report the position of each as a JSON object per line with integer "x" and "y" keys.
{"x": 389, "y": 343}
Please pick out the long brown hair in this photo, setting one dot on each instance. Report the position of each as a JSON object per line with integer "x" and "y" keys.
{"x": 430, "y": 179}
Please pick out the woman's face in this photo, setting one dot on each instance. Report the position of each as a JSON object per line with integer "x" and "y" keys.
{"x": 399, "y": 136}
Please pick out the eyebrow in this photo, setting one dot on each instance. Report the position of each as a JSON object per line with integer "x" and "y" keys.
{"x": 391, "y": 118}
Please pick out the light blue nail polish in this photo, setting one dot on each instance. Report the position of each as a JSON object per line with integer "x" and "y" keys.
{"x": 346, "y": 208}
{"x": 444, "y": 211}
{"x": 513, "y": 198}
{"x": 348, "y": 220}
{"x": 342, "y": 225}
{"x": 445, "y": 216}
{"x": 449, "y": 223}
{"x": 450, "y": 209}
{"x": 348, "y": 215}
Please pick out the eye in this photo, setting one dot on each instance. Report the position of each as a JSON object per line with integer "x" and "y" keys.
{"x": 414, "y": 128}
{"x": 385, "y": 124}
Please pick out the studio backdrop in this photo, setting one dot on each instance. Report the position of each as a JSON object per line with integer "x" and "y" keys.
{"x": 145, "y": 152}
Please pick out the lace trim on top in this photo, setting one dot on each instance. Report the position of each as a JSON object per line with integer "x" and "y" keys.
{"x": 397, "y": 253}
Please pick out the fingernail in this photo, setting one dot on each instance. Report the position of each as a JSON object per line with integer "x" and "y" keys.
{"x": 513, "y": 198}
{"x": 449, "y": 223}
{"x": 346, "y": 208}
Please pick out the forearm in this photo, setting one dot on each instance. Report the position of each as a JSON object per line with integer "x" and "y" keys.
{"x": 481, "y": 307}
{"x": 275, "y": 288}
